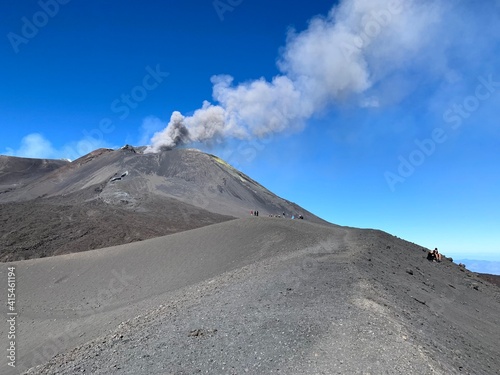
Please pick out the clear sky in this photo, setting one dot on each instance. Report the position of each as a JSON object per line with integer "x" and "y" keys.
{"x": 375, "y": 114}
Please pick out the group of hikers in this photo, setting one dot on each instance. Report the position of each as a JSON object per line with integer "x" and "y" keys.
{"x": 256, "y": 213}
{"x": 434, "y": 255}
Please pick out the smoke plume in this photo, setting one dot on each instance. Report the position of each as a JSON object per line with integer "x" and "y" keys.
{"x": 339, "y": 57}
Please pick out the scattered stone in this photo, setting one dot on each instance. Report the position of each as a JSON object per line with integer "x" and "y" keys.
{"x": 200, "y": 332}
{"x": 419, "y": 301}
{"x": 195, "y": 333}
{"x": 409, "y": 271}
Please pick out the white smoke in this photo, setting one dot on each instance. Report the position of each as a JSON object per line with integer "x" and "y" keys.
{"x": 337, "y": 58}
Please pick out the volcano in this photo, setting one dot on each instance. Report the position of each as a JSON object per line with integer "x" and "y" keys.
{"x": 111, "y": 197}
{"x": 135, "y": 263}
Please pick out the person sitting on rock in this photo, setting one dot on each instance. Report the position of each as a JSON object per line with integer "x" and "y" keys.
{"x": 430, "y": 256}
{"x": 434, "y": 255}
{"x": 438, "y": 255}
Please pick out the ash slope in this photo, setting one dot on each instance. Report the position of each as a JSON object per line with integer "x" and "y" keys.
{"x": 55, "y": 226}
{"x": 112, "y": 197}
{"x": 17, "y": 172}
{"x": 257, "y": 295}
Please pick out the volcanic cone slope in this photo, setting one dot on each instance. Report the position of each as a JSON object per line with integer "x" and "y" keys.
{"x": 112, "y": 197}
{"x": 124, "y": 176}
{"x": 16, "y": 172}
{"x": 260, "y": 296}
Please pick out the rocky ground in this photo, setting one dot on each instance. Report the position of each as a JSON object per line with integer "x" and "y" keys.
{"x": 493, "y": 279}
{"x": 297, "y": 298}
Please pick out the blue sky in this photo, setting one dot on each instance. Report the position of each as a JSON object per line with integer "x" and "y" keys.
{"x": 391, "y": 117}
